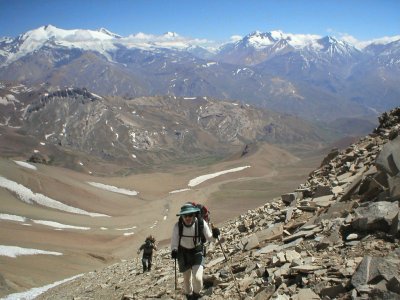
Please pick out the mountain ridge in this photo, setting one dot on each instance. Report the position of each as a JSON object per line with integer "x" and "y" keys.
{"x": 145, "y": 131}
{"x": 274, "y": 76}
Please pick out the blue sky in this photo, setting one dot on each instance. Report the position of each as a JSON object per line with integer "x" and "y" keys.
{"x": 216, "y": 20}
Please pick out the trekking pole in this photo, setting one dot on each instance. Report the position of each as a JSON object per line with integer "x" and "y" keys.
{"x": 230, "y": 270}
{"x": 176, "y": 281}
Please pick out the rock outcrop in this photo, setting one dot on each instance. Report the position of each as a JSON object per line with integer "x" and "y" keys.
{"x": 335, "y": 237}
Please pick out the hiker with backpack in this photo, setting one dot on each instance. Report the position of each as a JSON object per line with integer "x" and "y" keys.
{"x": 148, "y": 247}
{"x": 187, "y": 246}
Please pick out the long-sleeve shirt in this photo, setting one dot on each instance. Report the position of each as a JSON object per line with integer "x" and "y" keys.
{"x": 147, "y": 249}
{"x": 188, "y": 234}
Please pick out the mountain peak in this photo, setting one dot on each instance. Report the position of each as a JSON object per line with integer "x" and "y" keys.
{"x": 277, "y": 34}
{"x": 332, "y": 45}
{"x": 48, "y": 27}
{"x": 329, "y": 39}
{"x": 105, "y": 31}
{"x": 258, "y": 39}
{"x": 47, "y": 32}
{"x": 42, "y": 33}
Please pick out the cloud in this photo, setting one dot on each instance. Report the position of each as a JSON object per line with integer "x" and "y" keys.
{"x": 362, "y": 44}
{"x": 170, "y": 39}
{"x": 350, "y": 39}
{"x": 235, "y": 38}
{"x": 385, "y": 39}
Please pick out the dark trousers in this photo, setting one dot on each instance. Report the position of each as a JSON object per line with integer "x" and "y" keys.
{"x": 187, "y": 258}
{"x": 146, "y": 262}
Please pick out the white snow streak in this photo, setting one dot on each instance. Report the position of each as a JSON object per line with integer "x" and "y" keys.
{"x": 13, "y": 251}
{"x": 200, "y": 179}
{"x": 25, "y": 165}
{"x": 179, "y": 191}
{"x": 113, "y": 188}
{"x": 33, "y": 293}
{"x": 15, "y": 218}
{"x": 59, "y": 225}
{"x": 27, "y": 196}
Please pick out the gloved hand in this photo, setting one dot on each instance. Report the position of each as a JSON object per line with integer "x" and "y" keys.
{"x": 215, "y": 232}
{"x": 174, "y": 254}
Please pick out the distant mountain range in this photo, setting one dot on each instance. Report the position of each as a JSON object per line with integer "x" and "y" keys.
{"x": 73, "y": 125}
{"x": 313, "y": 77}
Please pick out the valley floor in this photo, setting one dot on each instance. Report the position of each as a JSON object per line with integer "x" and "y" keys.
{"x": 90, "y": 242}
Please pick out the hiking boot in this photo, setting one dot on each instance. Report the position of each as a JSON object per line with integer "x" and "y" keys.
{"x": 196, "y": 296}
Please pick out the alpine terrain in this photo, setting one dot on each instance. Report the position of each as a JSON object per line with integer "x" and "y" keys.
{"x": 291, "y": 141}
{"x": 335, "y": 237}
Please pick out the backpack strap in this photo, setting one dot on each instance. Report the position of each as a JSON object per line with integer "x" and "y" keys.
{"x": 198, "y": 230}
{"x": 180, "y": 226}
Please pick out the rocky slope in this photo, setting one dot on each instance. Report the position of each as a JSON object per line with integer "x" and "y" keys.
{"x": 335, "y": 237}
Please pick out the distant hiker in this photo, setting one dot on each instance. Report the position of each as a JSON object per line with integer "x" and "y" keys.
{"x": 148, "y": 247}
{"x": 187, "y": 247}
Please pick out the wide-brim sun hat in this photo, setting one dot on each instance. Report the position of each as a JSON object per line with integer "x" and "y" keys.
{"x": 188, "y": 209}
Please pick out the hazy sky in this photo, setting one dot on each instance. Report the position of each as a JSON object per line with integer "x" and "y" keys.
{"x": 216, "y": 20}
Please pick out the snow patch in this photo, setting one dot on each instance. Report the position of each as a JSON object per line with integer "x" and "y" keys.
{"x": 179, "y": 191}
{"x": 27, "y": 196}
{"x": 201, "y": 179}
{"x": 33, "y": 293}
{"x": 14, "y": 251}
{"x": 25, "y": 165}
{"x": 128, "y": 228}
{"x": 113, "y": 188}
{"x": 59, "y": 225}
{"x": 15, "y": 218}
{"x": 8, "y": 99}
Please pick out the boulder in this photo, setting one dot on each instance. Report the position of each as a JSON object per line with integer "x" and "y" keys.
{"x": 371, "y": 270}
{"x": 389, "y": 158}
{"x": 382, "y": 216}
{"x": 250, "y": 242}
{"x": 394, "y": 188}
{"x": 272, "y": 233}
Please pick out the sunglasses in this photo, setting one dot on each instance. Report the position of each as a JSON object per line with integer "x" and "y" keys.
{"x": 188, "y": 216}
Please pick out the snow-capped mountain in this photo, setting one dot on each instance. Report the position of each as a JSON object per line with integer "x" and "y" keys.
{"x": 321, "y": 61}
{"x": 254, "y": 48}
{"x": 386, "y": 54}
{"x": 332, "y": 47}
{"x": 258, "y": 47}
{"x": 52, "y": 37}
{"x": 318, "y": 78}
{"x": 101, "y": 41}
